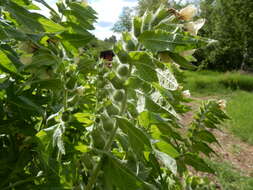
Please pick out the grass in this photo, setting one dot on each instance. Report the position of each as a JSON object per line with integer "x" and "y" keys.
{"x": 230, "y": 178}
{"x": 240, "y": 110}
{"x": 236, "y": 88}
{"x": 210, "y": 83}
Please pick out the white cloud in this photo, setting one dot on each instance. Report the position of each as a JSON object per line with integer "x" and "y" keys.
{"x": 108, "y": 11}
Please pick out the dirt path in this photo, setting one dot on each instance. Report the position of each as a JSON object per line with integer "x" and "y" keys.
{"x": 233, "y": 150}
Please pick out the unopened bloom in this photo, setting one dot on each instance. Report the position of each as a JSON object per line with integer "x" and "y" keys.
{"x": 188, "y": 12}
{"x": 194, "y": 27}
{"x": 186, "y": 93}
{"x": 222, "y": 104}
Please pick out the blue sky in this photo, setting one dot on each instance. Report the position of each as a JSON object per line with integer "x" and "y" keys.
{"x": 108, "y": 13}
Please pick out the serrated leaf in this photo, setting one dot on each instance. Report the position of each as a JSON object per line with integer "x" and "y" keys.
{"x": 6, "y": 64}
{"x": 202, "y": 147}
{"x": 167, "y": 161}
{"x": 147, "y": 118}
{"x": 160, "y": 40}
{"x": 31, "y": 104}
{"x": 9, "y": 32}
{"x": 137, "y": 23}
{"x": 138, "y": 139}
{"x": 118, "y": 175}
{"x": 58, "y": 138}
{"x": 166, "y": 79}
{"x": 41, "y": 59}
{"x": 33, "y": 22}
{"x": 145, "y": 68}
{"x": 181, "y": 61}
{"x": 76, "y": 40}
{"x": 197, "y": 163}
{"x": 161, "y": 144}
{"x": 154, "y": 103}
{"x": 205, "y": 136}
{"x": 159, "y": 15}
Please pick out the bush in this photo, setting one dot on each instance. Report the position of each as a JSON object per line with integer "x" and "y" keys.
{"x": 210, "y": 81}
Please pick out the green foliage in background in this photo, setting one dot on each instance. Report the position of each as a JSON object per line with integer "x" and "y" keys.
{"x": 229, "y": 22}
{"x": 71, "y": 121}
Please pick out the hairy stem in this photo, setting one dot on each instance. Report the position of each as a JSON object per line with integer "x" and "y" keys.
{"x": 107, "y": 148}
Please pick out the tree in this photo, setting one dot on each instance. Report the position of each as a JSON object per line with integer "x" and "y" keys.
{"x": 125, "y": 19}
{"x": 111, "y": 39}
{"x": 231, "y": 23}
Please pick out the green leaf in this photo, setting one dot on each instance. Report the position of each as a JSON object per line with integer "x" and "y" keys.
{"x": 167, "y": 161}
{"x": 181, "y": 61}
{"x": 9, "y": 32}
{"x": 205, "y": 136}
{"x": 160, "y": 40}
{"x": 161, "y": 144}
{"x": 32, "y": 22}
{"x": 155, "y": 103}
{"x": 147, "y": 118}
{"x": 84, "y": 118}
{"x": 42, "y": 58}
{"x": 31, "y": 104}
{"x": 6, "y": 64}
{"x": 159, "y": 15}
{"x": 76, "y": 40}
{"x": 202, "y": 147}
{"x": 137, "y": 23}
{"x": 197, "y": 163}
{"x": 138, "y": 139}
{"x": 146, "y": 21}
{"x": 118, "y": 175}
{"x": 82, "y": 148}
{"x": 58, "y": 138}
{"x": 144, "y": 65}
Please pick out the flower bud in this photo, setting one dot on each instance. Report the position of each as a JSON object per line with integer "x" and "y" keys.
{"x": 188, "y": 12}
{"x": 194, "y": 27}
{"x": 222, "y": 104}
{"x": 186, "y": 93}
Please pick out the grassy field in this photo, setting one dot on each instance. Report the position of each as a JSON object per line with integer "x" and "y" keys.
{"x": 213, "y": 83}
{"x": 240, "y": 109}
{"x": 237, "y": 89}
{"x": 230, "y": 178}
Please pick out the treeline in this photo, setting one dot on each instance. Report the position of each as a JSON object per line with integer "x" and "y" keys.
{"x": 230, "y": 23}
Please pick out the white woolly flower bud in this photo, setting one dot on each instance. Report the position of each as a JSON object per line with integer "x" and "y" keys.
{"x": 186, "y": 93}
{"x": 222, "y": 104}
{"x": 194, "y": 27}
{"x": 188, "y": 12}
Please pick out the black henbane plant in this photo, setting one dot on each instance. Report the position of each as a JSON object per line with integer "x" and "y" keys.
{"x": 68, "y": 121}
